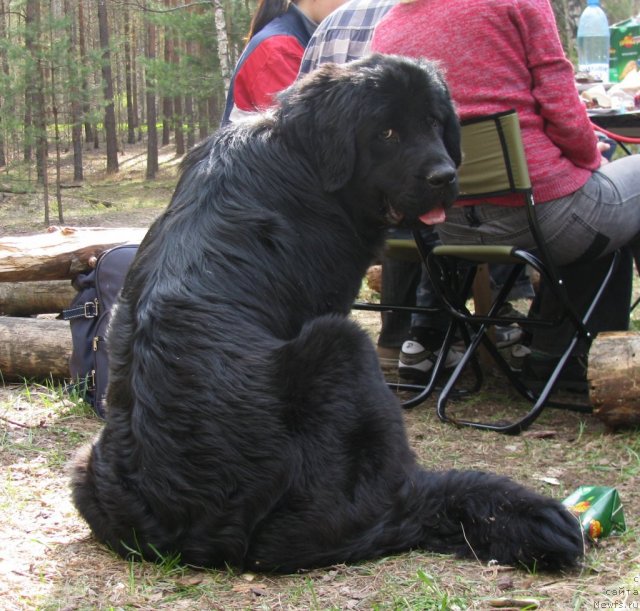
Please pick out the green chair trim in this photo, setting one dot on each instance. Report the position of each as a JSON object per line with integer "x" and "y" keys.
{"x": 479, "y": 253}
{"x": 402, "y": 249}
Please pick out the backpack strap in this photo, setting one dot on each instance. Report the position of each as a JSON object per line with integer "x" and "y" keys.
{"x": 88, "y": 309}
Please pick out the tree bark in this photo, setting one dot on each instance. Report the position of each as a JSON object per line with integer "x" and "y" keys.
{"x": 111, "y": 135}
{"x": 167, "y": 100}
{"x": 75, "y": 92}
{"x": 128, "y": 76}
{"x": 35, "y": 116}
{"x": 59, "y": 254}
{"x": 5, "y": 69}
{"x": 37, "y": 297}
{"x": 34, "y": 348}
{"x": 29, "y": 34}
{"x": 614, "y": 378}
{"x": 152, "y": 129}
{"x": 188, "y": 103}
{"x": 82, "y": 48}
{"x": 226, "y": 63}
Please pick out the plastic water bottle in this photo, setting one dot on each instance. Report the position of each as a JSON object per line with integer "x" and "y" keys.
{"x": 593, "y": 41}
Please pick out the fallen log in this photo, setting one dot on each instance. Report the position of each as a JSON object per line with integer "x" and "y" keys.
{"x": 60, "y": 253}
{"x": 13, "y": 189}
{"x": 28, "y": 298}
{"x": 614, "y": 378}
{"x": 34, "y": 348}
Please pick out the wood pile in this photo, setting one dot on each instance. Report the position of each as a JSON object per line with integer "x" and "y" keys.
{"x": 35, "y": 286}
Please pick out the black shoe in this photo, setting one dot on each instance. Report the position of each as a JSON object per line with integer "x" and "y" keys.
{"x": 537, "y": 368}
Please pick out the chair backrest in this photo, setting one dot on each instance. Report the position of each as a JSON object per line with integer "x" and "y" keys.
{"x": 494, "y": 161}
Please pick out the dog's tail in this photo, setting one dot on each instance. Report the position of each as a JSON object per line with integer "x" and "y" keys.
{"x": 482, "y": 515}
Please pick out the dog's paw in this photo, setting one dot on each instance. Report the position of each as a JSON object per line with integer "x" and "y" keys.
{"x": 542, "y": 534}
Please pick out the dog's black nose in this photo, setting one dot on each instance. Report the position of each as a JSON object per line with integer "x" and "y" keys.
{"x": 441, "y": 178}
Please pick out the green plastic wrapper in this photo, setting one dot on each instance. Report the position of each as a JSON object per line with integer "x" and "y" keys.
{"x": 599, "y": 510}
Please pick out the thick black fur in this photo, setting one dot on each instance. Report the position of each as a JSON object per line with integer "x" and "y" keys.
{"x": 248, "y": 422}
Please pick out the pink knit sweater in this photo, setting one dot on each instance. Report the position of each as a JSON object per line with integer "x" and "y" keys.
{"x": 498, "y": 55}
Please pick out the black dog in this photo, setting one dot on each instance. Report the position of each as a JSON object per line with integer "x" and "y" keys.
{"x": 248, "y": 422}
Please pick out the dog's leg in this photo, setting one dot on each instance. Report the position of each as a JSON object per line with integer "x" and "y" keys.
{"x": 359, "y": 493}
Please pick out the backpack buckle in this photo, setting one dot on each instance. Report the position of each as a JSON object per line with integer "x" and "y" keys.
{"x": 91, "y": 309}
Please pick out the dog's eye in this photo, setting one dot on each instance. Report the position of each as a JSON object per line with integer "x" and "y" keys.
{"x": 389, "y": 135}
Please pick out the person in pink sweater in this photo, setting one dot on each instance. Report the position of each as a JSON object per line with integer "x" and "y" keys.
{"x": 506, "y": 54}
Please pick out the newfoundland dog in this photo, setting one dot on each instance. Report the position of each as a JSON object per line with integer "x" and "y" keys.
{"x": 248, "y": 422}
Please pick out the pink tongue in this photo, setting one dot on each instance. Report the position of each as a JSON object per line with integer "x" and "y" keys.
{"x": 433, "y": 217}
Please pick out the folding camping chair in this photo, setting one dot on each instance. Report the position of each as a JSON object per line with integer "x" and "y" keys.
{"x": 495, "y": 164}
{"x": 406, "y": 248}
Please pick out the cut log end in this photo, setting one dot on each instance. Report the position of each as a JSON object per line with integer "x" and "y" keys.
{"x": 614, "y": 377}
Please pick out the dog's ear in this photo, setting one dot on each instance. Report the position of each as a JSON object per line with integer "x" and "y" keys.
{"x": 317, "y": 115}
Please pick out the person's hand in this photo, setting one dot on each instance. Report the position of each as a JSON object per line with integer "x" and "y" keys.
{"x": 603, "y": 147}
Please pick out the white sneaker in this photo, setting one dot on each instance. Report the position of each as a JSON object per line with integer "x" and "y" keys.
{"x": 416, "y": 361}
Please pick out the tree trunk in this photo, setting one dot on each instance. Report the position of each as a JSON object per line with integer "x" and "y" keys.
{"x": 567, "y": 13}
{"x": 5, "y": 69}
{"x": 111, "y": 135}
{"x": 128, "y": 77}
{"x": 226, "y": 64}
{"x": 75, "y": 93}
{"x": 188, "y": 104}
{"x": 54, "y": 112}
{"x": 152, "y": 130}
{"x": 34, "y": 103}
{"x": 614, "y": 378}
{"x": 167, "y": 100}
{"x": 34, "y": 348}
{"x": 203, "y": 119}
{"x": 29, "y": 34}
{"x": 59, "y": 254}
{"x": 190, "y": 117}
{"x": 82, "y": 48}
{"x": 36, "y": 297}
{"x": 134, "y": 84}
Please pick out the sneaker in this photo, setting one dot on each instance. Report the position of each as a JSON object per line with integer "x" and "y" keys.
{"x": 508, "y": 335}
{"x": 416, "y": 361}
{"x": 538, "y": 366}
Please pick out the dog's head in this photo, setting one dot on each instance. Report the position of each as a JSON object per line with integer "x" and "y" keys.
{"x": 383, "y": 129}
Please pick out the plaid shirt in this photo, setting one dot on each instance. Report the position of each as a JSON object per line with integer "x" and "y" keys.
{"x": 345, "y": 34}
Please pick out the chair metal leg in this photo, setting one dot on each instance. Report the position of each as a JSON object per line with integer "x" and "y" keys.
{"x": 437, "y": 371}
{"x": 540, "y": 400}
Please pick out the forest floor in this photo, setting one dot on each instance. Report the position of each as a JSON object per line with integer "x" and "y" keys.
{"x": 48, "y": 560}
